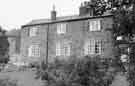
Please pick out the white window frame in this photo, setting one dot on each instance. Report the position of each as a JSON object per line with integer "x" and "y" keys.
{"x": 98, "y": 47}
{"x": 93, "y": 47}
{"x": 58, "y": 49}
{"x": 66, "y": 49}
{"x": 95, "y": 25}
{"x": 33, "y": 31}
{"x": 61, "y": 28}
{"x": 63, "y": 49}
{"x": 34, "y": 50}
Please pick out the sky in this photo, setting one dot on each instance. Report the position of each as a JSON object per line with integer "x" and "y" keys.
{"x": 14, "y": 13}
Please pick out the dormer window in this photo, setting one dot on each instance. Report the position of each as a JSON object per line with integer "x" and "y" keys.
{"x": 61, "y": 28}
{"x": 33, "y": 31}
{"x": 94, "y": 25}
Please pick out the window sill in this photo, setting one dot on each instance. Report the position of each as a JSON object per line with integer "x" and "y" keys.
{"x": 96, "y": 31}
{"x": 93, "y": 55}
{"x": 61, "y": 33}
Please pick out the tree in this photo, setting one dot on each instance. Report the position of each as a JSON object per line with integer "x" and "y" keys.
{"x": 4, "y": 46}
{"x": 124, "y": 25}
{"x": 123, "y": 12}
{"x": 78, "y": 72}
{"x": 124, "y": 18}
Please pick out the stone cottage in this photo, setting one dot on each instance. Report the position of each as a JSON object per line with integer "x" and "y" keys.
{"x": 67, "y": 36}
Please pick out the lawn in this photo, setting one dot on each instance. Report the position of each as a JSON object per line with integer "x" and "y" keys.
{"x": 25, "y": 78}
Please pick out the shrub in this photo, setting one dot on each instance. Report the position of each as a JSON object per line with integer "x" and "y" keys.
{"x": 78, "y": 72}
{"x": 8, "y": 82}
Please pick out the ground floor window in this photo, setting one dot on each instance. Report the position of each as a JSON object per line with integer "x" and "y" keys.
{"x": 62, "y": 48}
{"x": 93, "y": 47}
{"x": 34, "y": 51}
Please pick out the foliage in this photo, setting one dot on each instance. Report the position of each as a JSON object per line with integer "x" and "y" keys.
{"x": 83, "y": 72}
{"x": 101, "y": 6}
{"x": 4, "y": 46}
{"x": 123, "y": 13}
{"x": 95, "y": 72}
{"x": 131, "y": 69}
{"x": 124, "y": 25}
{"x": 8, "y": 82}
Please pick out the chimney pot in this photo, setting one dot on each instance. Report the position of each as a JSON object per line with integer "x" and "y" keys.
{"x": 53, "y": 13}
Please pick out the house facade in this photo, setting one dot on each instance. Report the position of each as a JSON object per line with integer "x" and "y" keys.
{"x": 14, "y": 39}
{"x": 65, "y": 37}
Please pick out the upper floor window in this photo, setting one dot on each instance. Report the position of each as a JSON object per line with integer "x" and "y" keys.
{"x": 94, "y": 25}
{"x": 61, "y": 28}
{"x": 62, "y": 49}
{"x": 34, "y": 51}
{"x": 33, "y": 31}
{"x": 93, "y": 47}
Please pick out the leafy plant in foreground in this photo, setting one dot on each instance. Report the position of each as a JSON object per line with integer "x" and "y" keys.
{"x": 83, "y": 72}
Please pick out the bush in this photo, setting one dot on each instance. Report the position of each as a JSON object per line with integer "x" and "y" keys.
{"x": 8, "y": 82}
{"x": 78, "y": 72}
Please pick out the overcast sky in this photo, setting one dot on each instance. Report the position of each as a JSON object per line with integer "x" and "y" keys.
{"x": 14, "y": 13}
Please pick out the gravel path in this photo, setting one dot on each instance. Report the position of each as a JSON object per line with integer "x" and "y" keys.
{"x": 120, "y": 80}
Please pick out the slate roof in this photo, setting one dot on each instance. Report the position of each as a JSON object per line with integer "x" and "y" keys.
{"x": 61, "y": 19}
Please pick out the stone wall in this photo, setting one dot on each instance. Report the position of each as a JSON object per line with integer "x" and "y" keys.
{"x": 77, "y": 33}
{"x": 26, "y": 41}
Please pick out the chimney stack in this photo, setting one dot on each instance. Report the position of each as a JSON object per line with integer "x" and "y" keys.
{"x": 53, "y": 13}
{"x": 86, "y": 9}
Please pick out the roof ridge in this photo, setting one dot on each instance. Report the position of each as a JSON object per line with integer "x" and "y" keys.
{"x": 61, "y": 18}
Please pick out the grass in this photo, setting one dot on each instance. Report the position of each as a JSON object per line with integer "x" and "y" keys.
{"x": 24, "y": 78}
